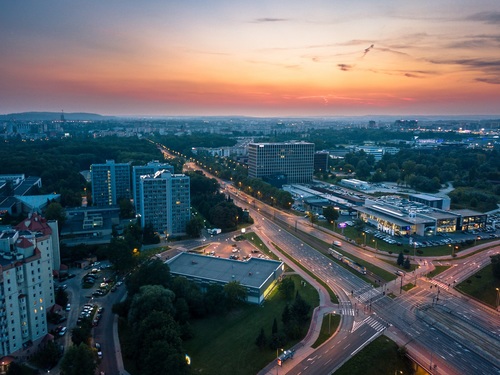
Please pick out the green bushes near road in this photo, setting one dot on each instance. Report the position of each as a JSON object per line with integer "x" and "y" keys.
{"x": 227, "y": 345}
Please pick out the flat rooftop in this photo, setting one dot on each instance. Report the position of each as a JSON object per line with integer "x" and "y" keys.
{"x": 252, "y": 273}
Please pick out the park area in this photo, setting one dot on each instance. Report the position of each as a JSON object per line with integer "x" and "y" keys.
{"x": 227, "y": 344}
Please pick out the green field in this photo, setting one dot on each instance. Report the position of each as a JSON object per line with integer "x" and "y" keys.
{"x": 380, "y": 357}
{"x": 328, "y": 327}
{"x": 482, "y": 286}
{"x": 226, "y": 344}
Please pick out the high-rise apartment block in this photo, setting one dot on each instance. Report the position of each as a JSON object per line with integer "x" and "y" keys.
{"x": 141, "y": 170}
{"x": 29, "y": 254}
{"x": 166, "y": 202}
{"x": 110, "y": 182}
{"x": 293, "y": 160}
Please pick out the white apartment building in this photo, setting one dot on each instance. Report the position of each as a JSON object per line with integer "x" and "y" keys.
{"x": 166, "y": 202}
{"x": 141, "y": 170}
{"x": 29, "y": 253}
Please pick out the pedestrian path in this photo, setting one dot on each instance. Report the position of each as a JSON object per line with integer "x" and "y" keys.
{"x": 371, "y": 294}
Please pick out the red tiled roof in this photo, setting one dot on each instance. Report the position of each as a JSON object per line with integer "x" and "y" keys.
{"x": 35, "y": 223}
{"x": 24, "y": 243}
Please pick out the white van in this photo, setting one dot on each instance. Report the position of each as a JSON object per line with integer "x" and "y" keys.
{"x": 337, "y": 243}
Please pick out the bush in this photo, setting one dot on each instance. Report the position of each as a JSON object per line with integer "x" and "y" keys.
{"x": 406, "y": 250}
{"x": 420, "y": 251}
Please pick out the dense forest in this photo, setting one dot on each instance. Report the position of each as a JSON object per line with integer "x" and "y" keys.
{"x": 473, "y": 172}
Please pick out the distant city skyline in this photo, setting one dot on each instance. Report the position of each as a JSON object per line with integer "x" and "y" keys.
{"x": 261, "y": 58}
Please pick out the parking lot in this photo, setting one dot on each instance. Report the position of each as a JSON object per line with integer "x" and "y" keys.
{"x": 232, "y": 249}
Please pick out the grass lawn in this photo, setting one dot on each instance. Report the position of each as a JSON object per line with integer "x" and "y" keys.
{"x": 437, "y": 271}
{"x": 328, "y": 328}
{"x": 226, "y": 344}
{"x": 408, "y": 287}
{"x": 482, "y": 286}
{"x": 260, "y": 245}
{"x": 380, "y": 357}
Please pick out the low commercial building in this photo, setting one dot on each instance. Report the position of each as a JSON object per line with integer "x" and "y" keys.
{"x": 431, "y": 201}
{"x": 257, "y": 275}
{"x": 89, "y": 225}
{"x": 398, "y": 216}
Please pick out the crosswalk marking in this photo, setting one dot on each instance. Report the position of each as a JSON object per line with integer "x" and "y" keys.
{"x": 439, "y": 284}
{"x": 371, "y": 294}
{"x": 376, "y": 324}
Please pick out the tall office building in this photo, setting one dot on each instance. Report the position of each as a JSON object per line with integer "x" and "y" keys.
{"x": 293, "y": 160}
{"x": 141, "y": 170}
{"x": 166, "y": 202}
{"x": 27, "y": 261}
{"x": 110, "y": 182}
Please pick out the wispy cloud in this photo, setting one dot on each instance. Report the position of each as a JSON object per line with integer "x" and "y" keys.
{"x": 486, "y": 17}
{"x": 490, "y": 80}
{"x": 269, "y": 19}
{"x": 368, "y": 49}
{"x": 345, "y": 67}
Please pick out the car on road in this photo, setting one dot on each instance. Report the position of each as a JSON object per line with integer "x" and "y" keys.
{"x": 98, "y": 348}
{"x": 62, "y": 331}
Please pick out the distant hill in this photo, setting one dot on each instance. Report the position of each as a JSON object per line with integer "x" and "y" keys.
{"x": 51, "y": 116}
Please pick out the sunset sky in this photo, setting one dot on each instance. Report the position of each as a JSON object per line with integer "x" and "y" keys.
{"x": 255, "y": 58}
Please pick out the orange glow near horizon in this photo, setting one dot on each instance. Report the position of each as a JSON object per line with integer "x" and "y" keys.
{"x": 236, "y": 58}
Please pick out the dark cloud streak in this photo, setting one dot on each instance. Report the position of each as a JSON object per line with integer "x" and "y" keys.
{"x": 368, "y": 49}
{"x": 486, "y": 17}
{"x": 345, "y": 67}
{"x": 269, "y": 19}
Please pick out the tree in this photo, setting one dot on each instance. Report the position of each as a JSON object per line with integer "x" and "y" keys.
{"x": 331, "y": 214}
{"x": 78, "y": 360}
{"x": 154, "y": 272}
{"x": 300, "y": 308}
{"x": 286, "y": 288}
{"x": 261, "y": 340}
{"x": 286, "y": 316}
{"x": 149, "y": 235}
{"x": 61, "y": 297}
{"x": 401, "y": 259}
{"x": 363, "y": 170}
{"x": 194, "y": 227}
{"x": 126, "y": 208}
{"x": 150, "y": 298}
{"x": 47, "y": 355}
{"x": 407, "y": 263}
{"x": 156, "y": 344}
{"x": 215, "y": 299}
{"x": 235, "y": 293}
{"x": 55, "y": 211}
{"x": 82, "y": 333}
{"x": 274, "y": 329}
{"x": 121, "y": 255}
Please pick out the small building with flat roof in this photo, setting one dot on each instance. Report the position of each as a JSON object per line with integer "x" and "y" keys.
{"x": 257, "y": 275}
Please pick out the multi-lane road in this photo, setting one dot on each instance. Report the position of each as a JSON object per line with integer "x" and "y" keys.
{"x": 415, "y": 319}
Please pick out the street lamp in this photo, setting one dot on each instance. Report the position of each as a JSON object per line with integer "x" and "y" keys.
{"x": 278, "y": 361}
{"x": 364, "y": 239}
{"x": 498, "y": 297}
